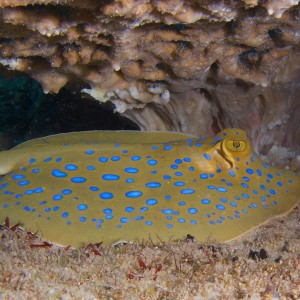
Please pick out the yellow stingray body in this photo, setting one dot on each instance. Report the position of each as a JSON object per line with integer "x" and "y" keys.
{"x": 109, "y": 186}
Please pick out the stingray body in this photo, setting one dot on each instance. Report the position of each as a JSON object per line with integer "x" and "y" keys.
{"x": 109, "y": 186}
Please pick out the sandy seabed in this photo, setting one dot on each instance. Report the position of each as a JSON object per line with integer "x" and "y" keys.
{"x": 263, "y": 264}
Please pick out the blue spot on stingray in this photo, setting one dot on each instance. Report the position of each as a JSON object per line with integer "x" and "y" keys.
{"x": 43, "y": 202}
{"x": 55, "y": 208}
{"x": 65, "y": 214}
{"x": 151, "y": 202}
{"x": 245, "y": 195}
{"x": 106, "y": 195}
{"x": 254, "y": 205}
{"x": 178, "y": 173}
{"x": 153, "y": 185}
{"x": 115, "y": 158}
{"x": 32, "y": 160}
{"x": 134, "y": 194}
{"x": 279, "y": 183}
{"x": 262, "y": 187}
{"x": 167, "y": 177}
{"x": 244, "y": 185}
{"x": 18, "y": 177}
{"x": 205, "y": 201}
{"x": 82, "y": 207}
{"x": 152, "y": 162}
{"x": 27, "y": 208}
{"x": 109, "y": 217}
{"x": 220, "y": 207}
{"x": 89, "y": 152}
{"x": 38, "y": 190}
{"x": 169, "y": 226}
{"x": 35, "y": 170}
{"x": 206, "y": 156}
{"x": 179, "y": 183}
{"x": 245, "y": 178}
{"x": 169, "y": 147}
{"x": 148, "y": 223}
{"x": 181, "y": 220}
{"x": 178, "y": 161}
{"x": 78, "y": 179}
{"x": 28, "y": 192}
{"x": 138, "y": 218}
{"x": 192, "y": 210}
{"x": 249, "y": 171}
{"x": 110, "y": 177}
{"x": 59, "y": 159}
{"x": 259, "y": 172}
{"x": 181, "y": 203}
{"x": 203, "y": 176}
{"x": 142, "y": 209}
{"x": 129, "y": 180}
{"x": 174, "y": 166}
{"x": 129, "y": 209}
{"x": 107, "y": 211}
{"x": 124, "y": 220}
{"x": 57, "y": 197}
{"x": 211, "y": 187}
{"x": 187, "y": 191}
{"x": 94, "y": 188}
{"x": 153, "y": 172}
{"x": 47, "y": 159}
{"x": 71, "y": 167}
{"x": 90, "y": 168}
{"x": 221, "y": 189}
{"x": 82, "y": 219}
{"x": 23, "y": 182}
{"x": 198, "y": 145}
{"x": 270, "y": 176}
{"x": 131, "y": 170}
{"x": 154, "y": 147}
{"x": 223, "y": 200}
{"x": 272, "y": 192}
{"x": 231, "y": 173}
{"x": 135, "y": 158}
{"x": 103, "y": 159}
{"x": 5, "y": 205}
{"x": 58, "y": 173}
{"x": 191, "y": 168}
{"x": 186, "y": 159}
{"x": 232, "y": 203}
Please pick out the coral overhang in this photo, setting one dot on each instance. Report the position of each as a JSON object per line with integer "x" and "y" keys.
{"x": 189, "y": 66}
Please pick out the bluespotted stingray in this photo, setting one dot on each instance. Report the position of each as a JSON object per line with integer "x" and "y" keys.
{"x": 109, "y": 186}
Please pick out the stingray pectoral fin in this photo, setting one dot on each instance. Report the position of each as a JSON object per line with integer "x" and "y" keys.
{"x": 101, "y": 136}
{"x": 10, "y": 160}
{"x": 22, "y": 157}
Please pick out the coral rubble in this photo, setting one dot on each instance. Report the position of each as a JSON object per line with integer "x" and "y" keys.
{"x": 191, "y": 66}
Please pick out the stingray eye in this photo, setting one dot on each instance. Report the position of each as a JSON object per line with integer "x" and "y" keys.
{"x": 236, "y": 146}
